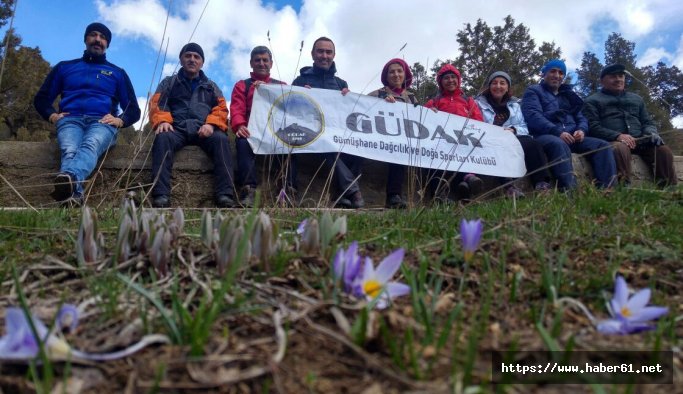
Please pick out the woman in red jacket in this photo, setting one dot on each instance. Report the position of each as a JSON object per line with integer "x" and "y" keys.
{"x": 452, "y": 100}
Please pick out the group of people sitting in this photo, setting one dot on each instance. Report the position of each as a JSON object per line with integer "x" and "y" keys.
{"x": 550, "y": 122}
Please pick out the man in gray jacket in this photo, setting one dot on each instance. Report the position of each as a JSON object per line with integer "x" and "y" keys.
{"x": 620, "y": 117}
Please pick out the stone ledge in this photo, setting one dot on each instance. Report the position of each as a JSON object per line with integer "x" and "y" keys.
{"x": 31, "y": 166}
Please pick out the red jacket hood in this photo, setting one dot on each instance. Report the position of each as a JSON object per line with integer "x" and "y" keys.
{"x": 406, "y": 71}
{"x": 446, "y": 68}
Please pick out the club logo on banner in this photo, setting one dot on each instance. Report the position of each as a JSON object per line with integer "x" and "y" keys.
{"x": 296, "y": 120}
{"x": 290, "y": 119}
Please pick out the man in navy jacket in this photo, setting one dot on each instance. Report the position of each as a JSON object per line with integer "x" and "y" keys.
{"x": 88, "y": 118}
{"x": 322, "y": 76}
{"x": 553, "y": 114}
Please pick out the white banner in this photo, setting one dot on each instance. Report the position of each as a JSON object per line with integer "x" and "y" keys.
{"x": 290, "y": 119}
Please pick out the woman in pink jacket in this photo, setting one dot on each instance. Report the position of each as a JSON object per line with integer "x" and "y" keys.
{"x": 396, "y": 78}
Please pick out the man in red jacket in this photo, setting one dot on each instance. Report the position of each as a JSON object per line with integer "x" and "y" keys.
{"x": 240, "y": 109}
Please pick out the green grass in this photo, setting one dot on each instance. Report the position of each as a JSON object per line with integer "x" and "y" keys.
{"x": 532, "y": 251}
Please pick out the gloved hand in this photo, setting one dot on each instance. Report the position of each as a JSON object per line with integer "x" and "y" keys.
{"x": 655, "y": 139}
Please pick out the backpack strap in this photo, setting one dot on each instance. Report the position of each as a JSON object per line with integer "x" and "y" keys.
{"x": 249, "y": 81}
{"x": 412, "y": 99}
{"x": 382, "y": 93}
{"x": 247, "y": 84}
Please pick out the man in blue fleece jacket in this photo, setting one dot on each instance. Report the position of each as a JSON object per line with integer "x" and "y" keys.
{"x": 88, "y": 118}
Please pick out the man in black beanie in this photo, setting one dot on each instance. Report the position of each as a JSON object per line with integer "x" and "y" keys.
{"x": 88, "y": 118}
{"x": 100, "y": 28}
{"x": 620, "y": 117}
{"x": 189, "y": 109}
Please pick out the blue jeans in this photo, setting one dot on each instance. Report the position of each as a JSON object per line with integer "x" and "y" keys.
{"x": 560, "y": 155}
{"x": 82, "y": 140}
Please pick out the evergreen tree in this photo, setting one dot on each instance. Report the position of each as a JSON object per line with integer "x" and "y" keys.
{"x": 589, "y": 74}
{"x": 424, "y": 85}
{"x": 508, "y": 48}
{"x": 666, "y": 84}
{"x": 620, "y": 50}
{"x": 6, "y": 7}
{"x": 475, "y": 55}
{"x": 25, "y": 70}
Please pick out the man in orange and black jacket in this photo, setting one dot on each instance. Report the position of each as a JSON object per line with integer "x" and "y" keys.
{"x": 189, "y": 109}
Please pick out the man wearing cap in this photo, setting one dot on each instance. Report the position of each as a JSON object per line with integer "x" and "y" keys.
{"x": 553, "y": 114}
{"x": 261, "y": 61}
{"x": 189, "y": 109}
{"x": 322, "y": 76}
{"x": 621, "y": 118}
{"x": 88, "y": 118}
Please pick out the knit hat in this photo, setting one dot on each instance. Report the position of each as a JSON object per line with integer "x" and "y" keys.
{"x": 192, "y": 47}
{"x": 555, "y": 63}
{"x": 406, "y": 72}
{"x": 499, "y": 74}
{"x": 612, "y": 69}
{"x": 97, "y": 26}
{"x": 445, "y": 70}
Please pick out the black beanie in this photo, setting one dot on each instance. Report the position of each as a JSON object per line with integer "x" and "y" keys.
{"x": 613, "y": 69}
{"x": 97, "y": 26}
{"x": 192, "y": 47}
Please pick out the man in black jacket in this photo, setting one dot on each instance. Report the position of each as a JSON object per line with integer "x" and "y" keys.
{"x": 322, "y": 76}
{"x": 620, "y": 117}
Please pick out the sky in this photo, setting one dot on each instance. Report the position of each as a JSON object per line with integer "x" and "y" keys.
{"x": 366, "y": 33}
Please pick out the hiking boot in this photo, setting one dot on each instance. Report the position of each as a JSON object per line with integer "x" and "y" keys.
{"x": 64, "y": 187}
{"x": 161, "y": 202}
{"x": 395, "y": 201}
{"x": 344, "y": 203}
{"x": 225, "y": 201}
{"x": 543, "y": 187}
{"x": 74, "y": 201}
{"x": 475, "y": 184}
{"x": 513, "y": 191}
{"x": 357, "y": 201}
{"x": 443, "y": 199}
{"x": 463, "y": 191}
{"x": 248, "y": 196}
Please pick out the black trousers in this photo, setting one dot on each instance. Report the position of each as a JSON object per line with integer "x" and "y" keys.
{"x": 347, "y": 171}
{"x": 246, "y": 166}
{"x": 534, "y": 159}
{"x": 217, "y": 146}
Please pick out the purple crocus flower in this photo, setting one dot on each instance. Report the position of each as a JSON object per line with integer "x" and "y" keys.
{"x": 19, "y": 343}
{"x": 375, "y": 282}
{"x": 302, "y": 227}
{"x": 346, "y": 266}
{"x": 630, "y": 315}
{"x": 282, "y": 198}
{"x": 470, "y": 235}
